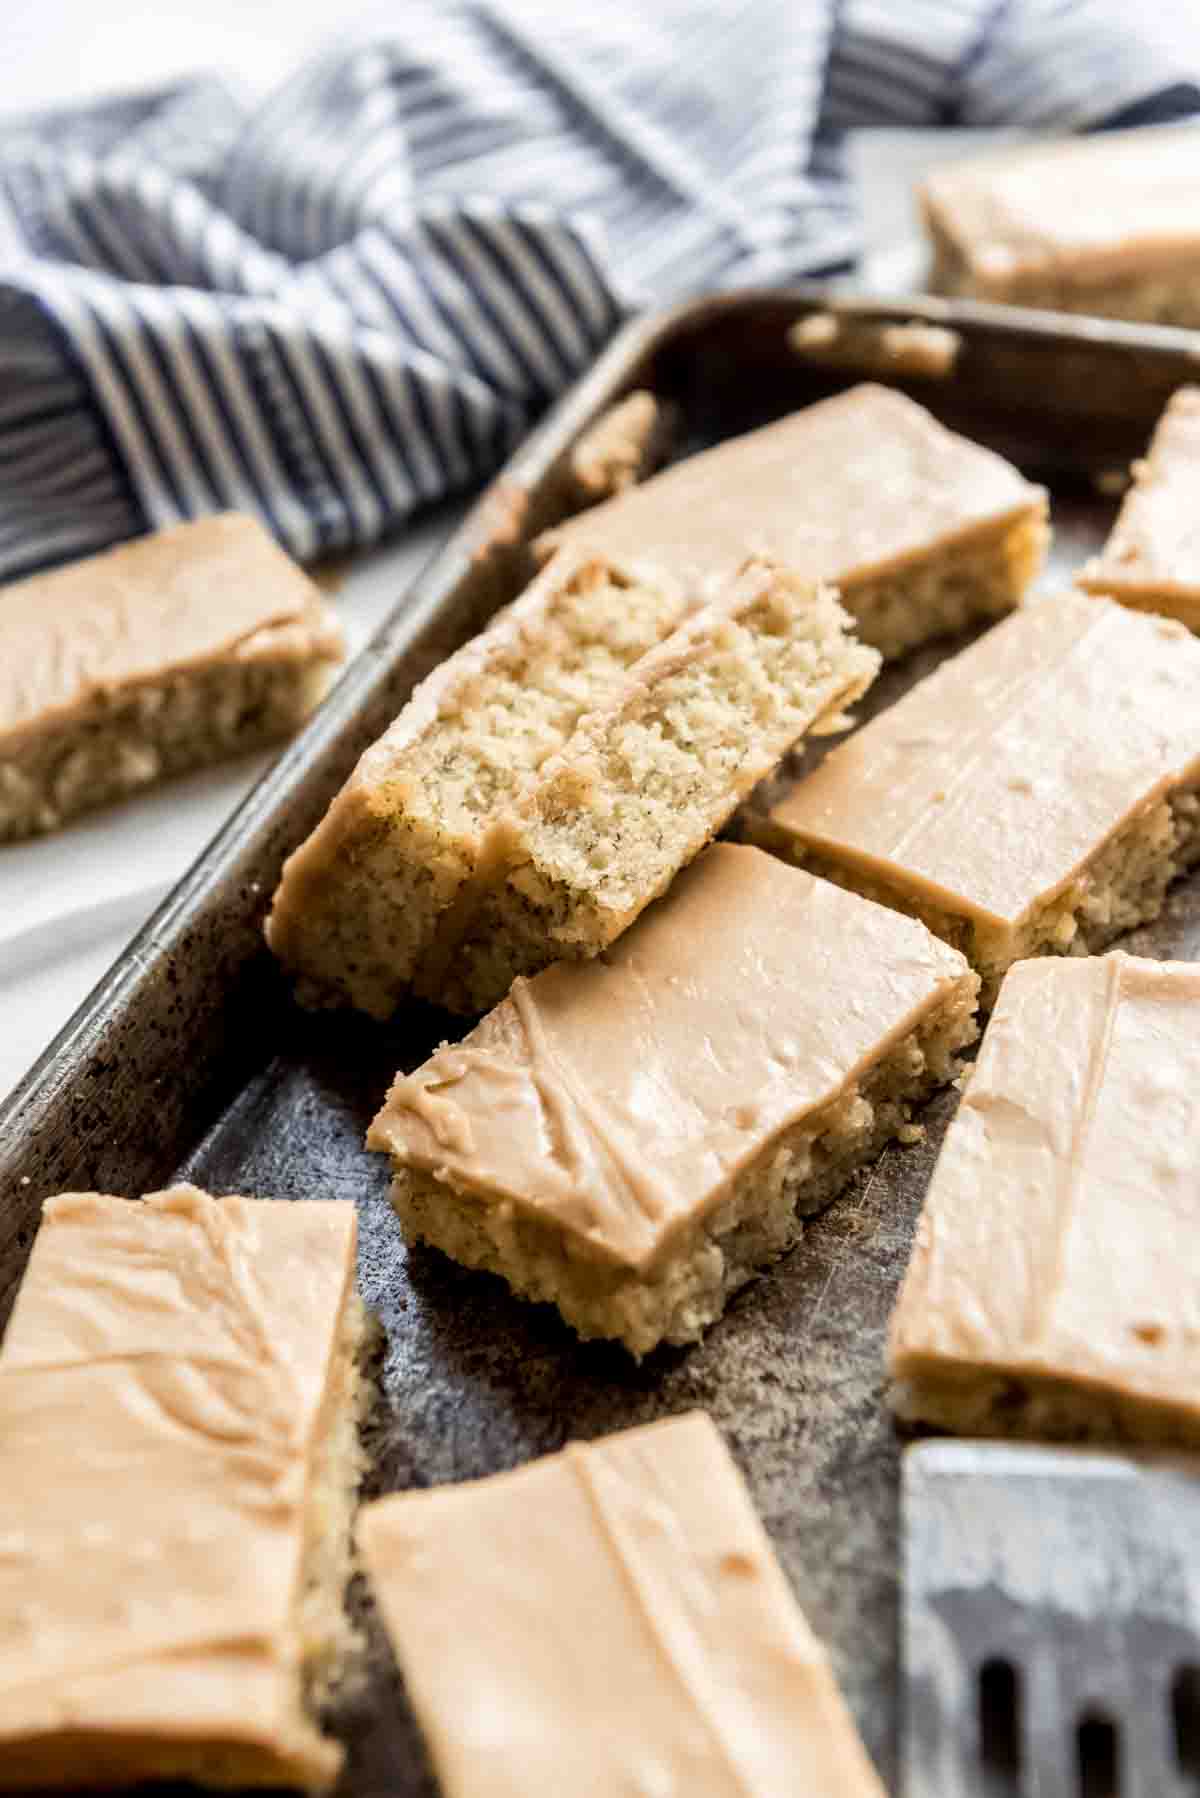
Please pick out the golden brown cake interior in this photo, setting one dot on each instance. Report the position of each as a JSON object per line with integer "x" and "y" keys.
{"x": 643, "y": 785}
{"x": 391, "y": 874}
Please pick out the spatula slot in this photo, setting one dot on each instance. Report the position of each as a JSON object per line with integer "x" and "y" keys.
{"x": 1000, "y": 1724}
{"x": 1097, "y": 1746}
{"x": 1185, "y": 1718}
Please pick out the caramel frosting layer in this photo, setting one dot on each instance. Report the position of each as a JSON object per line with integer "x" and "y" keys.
{"x": 161, "y": 1383}
{"x": 618, "y": 1098}
{"x": 841, "y": 491}
{"x": 1154, "y": 550}
{"x": 1089, "y": 208}
{"x": 992, "y": 781}
{"x": 681, "y": 1663}
{"x": 1053, "y": 1235}
{"x": 179, "y": 599}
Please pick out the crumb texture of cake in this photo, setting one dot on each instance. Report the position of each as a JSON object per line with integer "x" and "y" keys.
{"x": 164, "y": 654}
{"x": 624, "y": 445}
{"x": 862, "y": 344}
{"x": 393, "y": 872}
{"x": 1152, "y": 558}
{"x": 642, "y": 1638}
{"x": 1035, "y": 795}
{"x": 1049, "y": 1291}
{"x": 1105, "y": 225}
{"x": 179, "y": 1394}
{"x": 632, "y": 1138}
{"x": 921, "y": 530}
{"x": 645, "y": 783}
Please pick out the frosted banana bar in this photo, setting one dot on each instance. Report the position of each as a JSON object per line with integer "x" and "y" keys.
{"x": 633, "y": 1138}
{"x": 642, "y": 1638}
{"x": 179, "y": 1393}
{"x": 164, "y": 654}
{"x": 1104, "y": 224}
{"x": 1050, "y": 1291}
{"x": 1035, "y": 795}
{"x": 1152, "y": 558}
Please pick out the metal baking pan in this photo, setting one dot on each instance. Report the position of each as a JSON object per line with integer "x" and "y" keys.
{"x": 190, "y": 1060}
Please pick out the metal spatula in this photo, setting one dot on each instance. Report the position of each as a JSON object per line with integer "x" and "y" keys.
{"x": 1051, "y": 1623}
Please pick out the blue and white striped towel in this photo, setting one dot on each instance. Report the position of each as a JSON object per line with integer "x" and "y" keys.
{"x": 354, "y": 298}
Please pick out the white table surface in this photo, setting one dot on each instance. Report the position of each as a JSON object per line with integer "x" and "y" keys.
{"x": 70, "y": 902}
{"x": 63, "y": 50}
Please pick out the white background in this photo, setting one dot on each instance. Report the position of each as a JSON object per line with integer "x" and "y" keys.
{"x": 54, "y": 50}
{"x": 63, "y": 49}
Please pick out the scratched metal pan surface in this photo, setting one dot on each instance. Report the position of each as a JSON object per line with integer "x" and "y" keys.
{"x": 190, "y": 1060}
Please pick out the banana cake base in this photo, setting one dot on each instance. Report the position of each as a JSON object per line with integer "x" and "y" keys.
{"x": 643, "y": 785}
{"x": 390, "y": 877}
{"x": 967, "y": 582}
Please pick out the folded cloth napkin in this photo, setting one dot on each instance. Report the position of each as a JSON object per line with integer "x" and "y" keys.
{"x": 342, "y": 303}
